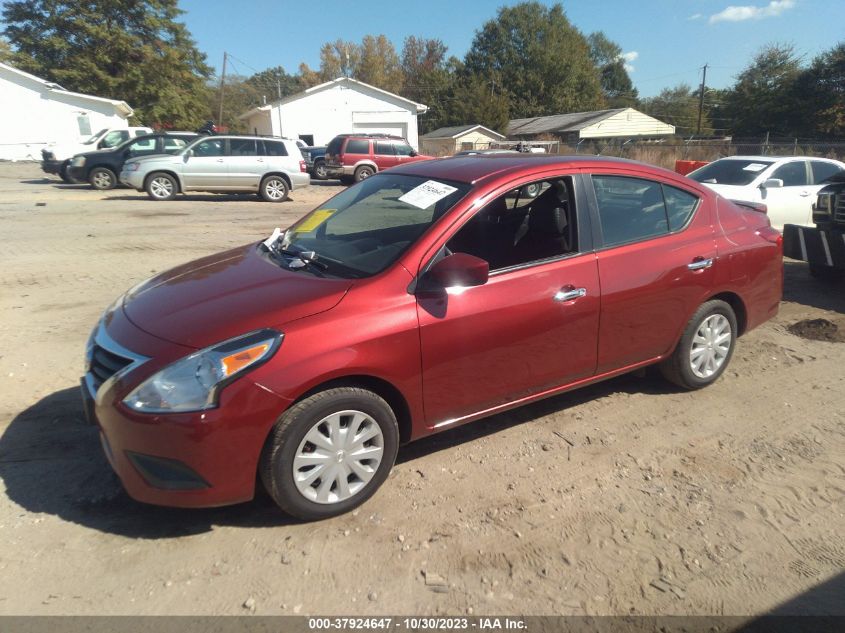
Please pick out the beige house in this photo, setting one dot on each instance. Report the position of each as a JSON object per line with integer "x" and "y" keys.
{"x": 572, "y": 128}
{"x": 445, "y": 141}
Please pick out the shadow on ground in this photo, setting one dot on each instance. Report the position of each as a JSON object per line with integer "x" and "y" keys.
{"x": 800, "y": 287}
{"x": 51, "y": 462}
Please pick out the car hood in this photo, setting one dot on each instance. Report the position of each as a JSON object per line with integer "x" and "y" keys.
{"x": 218, "y": 297}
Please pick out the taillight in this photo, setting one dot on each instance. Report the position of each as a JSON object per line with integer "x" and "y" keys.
{"x": 302, "y": 167}
{"x": 771, "y": 235}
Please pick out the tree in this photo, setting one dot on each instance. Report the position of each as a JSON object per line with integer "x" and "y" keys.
{"x": 133, "y": 50}
{"x": 378, "y": 64}
{"x": 678, "y": 106}
{"x": 427, "y": 78}
{"x": 533, "y": 55}
{"x": 764, "y": 100}
{"x": 338, "y": 59}
{"x": 616, "y": 84}
{"x": 274, "y": 83}
{"x": 470, "y": 100}
{"x": 5, "y": 52}
{"x": 822, "y": 90}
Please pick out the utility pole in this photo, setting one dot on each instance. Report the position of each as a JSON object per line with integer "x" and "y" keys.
{"x": 701, "y": 100}
{"x": 279, "y": 108}
{"x": 222, "y": 86}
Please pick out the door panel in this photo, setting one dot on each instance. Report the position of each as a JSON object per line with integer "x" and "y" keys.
{"x": 244, "y": 164}
{"x": 509, "y": 338}
{"x": 207, "y": 167}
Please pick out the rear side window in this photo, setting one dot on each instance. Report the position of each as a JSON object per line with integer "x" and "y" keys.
{"x": 143, "y": 145}
{"x": 275, "y": 148}
{"x": 242, "y": 147}
{"x": 174, "y": 144}
{"x": 679, "y": 207}
{"x": 630, "y": 209}
{"x": 385, "y": 149}
{"x": 357, "y": 146}
{"x": 793, "y": 174}
{"x": 822, "y": 170}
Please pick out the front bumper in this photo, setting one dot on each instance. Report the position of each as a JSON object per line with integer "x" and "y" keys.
{"x": 198, "y": 459}
{"x": 53, "y": 166}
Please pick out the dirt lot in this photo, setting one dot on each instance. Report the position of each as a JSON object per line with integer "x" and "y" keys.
{"x": 624, "y": 498}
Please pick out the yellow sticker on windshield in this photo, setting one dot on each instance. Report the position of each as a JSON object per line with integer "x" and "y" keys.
{"x": 314, "y": 220}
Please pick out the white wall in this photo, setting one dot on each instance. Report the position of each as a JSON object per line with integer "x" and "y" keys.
{"x": 628, "y": 123}
{"x": 32, "y": 116}
{"x": 336, "y": 110}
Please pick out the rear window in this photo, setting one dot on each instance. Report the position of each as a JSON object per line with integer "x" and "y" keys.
{"x": 730, "y": 171}
{"x": 357, "y": 146}
{"x": 334, "y": 146}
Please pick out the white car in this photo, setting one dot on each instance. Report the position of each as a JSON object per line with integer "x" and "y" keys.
{"x": 787, "y": 185}
{"x": 270, "y": 167}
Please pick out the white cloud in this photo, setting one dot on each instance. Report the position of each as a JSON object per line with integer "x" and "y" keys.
{"x": 695, "y": 16}
{"x": 750, "y": 12}
{"x": 628, "y": 58}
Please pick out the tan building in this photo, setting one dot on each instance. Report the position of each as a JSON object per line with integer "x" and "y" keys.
{"x": 445, "y": 141}
{"x": 572, "y": 128}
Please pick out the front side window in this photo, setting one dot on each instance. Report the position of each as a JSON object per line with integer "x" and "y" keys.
{"x": 532, "y": 223}
{"x": 730, "y": 171}
{"x": 403, "y": 149}
{"x": 357, "y": 146}
{"x": 630, "y": 209}
{"x": 362, "y": 230}
{"x": 792, "y": 174}
{"x": 142, "y": 145}
{"x": 209, "y": 147}
{"x": 173, "y": 144}
{"x": 115, "y": 138}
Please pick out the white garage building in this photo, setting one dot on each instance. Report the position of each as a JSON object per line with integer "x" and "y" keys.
{"x": 35, "y": 112}
{"x": 336, "y": 107}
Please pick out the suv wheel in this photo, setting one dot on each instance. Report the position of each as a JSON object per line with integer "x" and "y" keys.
{"x": 320, "y": 171}
{"x": 330, "y": 452}
{"x": 102, "y": 178}
{"x": 161, "y": 186}
{"x": 274, "y": 189}
{"x": 364, "y": 172}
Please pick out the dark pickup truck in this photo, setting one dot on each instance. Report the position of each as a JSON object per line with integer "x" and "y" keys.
{"x": 101, "y": 167}
{"x": 315, "y": 161}
{"x": 822, "y": 246}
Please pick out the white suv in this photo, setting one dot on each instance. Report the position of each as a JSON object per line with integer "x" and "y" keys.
{"x": 270, "y": 167}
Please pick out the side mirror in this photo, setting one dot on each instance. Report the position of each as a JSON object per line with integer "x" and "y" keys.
{"x": 412, "y": 153}
{"x": 188, "y": 154}
{"x": 772, "y": 183}
{"x": 459, "y": 269}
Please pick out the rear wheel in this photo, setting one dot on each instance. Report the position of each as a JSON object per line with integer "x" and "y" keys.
{"x": 102, "y": 178}
{"x": 320, "y": 171}
{"x": 362, "y": 173}
{"x": 161, "y": 186}
{"x": 330, "y": 453}
{"x": 274, "y": 189}
{"x": 705, "y": 348}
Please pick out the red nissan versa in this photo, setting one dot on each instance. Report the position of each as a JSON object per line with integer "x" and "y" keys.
{"x": 422, "y": 298}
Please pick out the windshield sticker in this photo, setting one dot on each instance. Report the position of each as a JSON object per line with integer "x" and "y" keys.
{"x": 427, "y": 194}
{"x": 314, "y": 220}
{"x": 755, "y": 167}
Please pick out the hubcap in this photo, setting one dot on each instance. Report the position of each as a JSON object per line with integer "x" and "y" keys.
{"x": 161, "y": 187}
{"x": 275, "y": 189}
{"x": 710, "y": 346}
{"x": 338, "y": 457}
{"x": 102, "y": 179}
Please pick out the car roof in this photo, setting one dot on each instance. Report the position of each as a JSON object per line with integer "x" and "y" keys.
{"x": 473, "y": 169}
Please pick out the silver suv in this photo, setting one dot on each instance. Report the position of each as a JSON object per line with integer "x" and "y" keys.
{"x": 270, "y": 167}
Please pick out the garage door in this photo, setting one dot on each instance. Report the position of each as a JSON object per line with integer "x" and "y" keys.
{"x": 397, "y": 129}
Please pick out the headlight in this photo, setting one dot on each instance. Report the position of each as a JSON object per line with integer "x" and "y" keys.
{"x": 194, "y": 382}
{"x": 131, "y": 166}
{"x": 78, "y": 161}
{"x": 824, "y": 202}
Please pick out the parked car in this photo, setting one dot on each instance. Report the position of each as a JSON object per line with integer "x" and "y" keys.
{"x": 270, "y": 167}
{"x": 786, "y": 185}
{"x": 101, "y": 167}
{"x": 55, "y": 159}
{"x": 354, "y": 157}
{"x": 315, "y": 162}
{"x": 420, "y": 299}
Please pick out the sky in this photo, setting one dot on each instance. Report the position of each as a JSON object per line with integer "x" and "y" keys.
{"x": 666, "y": 42}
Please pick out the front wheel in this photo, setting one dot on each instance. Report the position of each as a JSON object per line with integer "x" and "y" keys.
{"x": 705, "y": 348}
{"x": 102, "y": 178}
{"x": 63, "y": 174}
{"x": 161, "y": 186}
{"x": 330, "y": 453}
{"x": 274, "y": 189}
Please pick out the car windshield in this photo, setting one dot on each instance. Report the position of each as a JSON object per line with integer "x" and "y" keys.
{"x": 96, "y": 137}
{"x": 362, "y": 230}
{"x": 730, "y": 171}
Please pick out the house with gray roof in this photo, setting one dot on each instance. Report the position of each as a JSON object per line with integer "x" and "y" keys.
{"x": 445, "y": 141}
{"x": 574, "y": 127}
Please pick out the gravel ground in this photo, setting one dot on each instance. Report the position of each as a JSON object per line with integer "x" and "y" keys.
{"x": 627, "y": 497}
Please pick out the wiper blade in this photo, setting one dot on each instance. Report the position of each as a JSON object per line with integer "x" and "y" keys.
{"x": 305, "y": 258}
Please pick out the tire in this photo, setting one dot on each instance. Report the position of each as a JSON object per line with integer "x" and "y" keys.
{"x": 286, "y": 468}
{"x": 363, "y": 172}
{"x": 161, "y": 186}
{"x": 274, "y": 189}
{"x": 65, "y": 177}
{"x": 703, "y": 353}
{"x": 102, "y": 178}
{"x": 826, "y": 273}
{"x": 320, "y": 171}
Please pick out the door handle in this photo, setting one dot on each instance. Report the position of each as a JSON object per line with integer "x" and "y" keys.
{"x": 219, "y": 160}
{"x": 700, "y": 263}
{"x": 568, "y": 293}
{"x": 804, "y": 194}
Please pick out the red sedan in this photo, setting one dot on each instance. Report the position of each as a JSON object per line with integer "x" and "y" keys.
{"x": 423, "y": 298}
